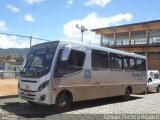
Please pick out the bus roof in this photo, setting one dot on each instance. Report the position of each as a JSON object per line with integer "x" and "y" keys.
{"x": 103, "y": 48}
{"x": 95, "y": 47}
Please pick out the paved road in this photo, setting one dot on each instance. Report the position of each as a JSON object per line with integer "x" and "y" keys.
{"x": 108, "y": 108}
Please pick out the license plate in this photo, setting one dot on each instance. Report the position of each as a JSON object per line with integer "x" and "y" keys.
{"x": 26, "y": 93}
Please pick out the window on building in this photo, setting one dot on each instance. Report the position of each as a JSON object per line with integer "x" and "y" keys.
{"x": 138, "y": 37}
{"x": 14, "y": 68}
{"x": 115, "y": 61}
{"x": 141, "y": 64}
{"x": 72, "y": 65}
{"x": 122, "y": 38}
{"x": 99, "y": 59}
{"x": 154, "y": 36}
{"x": 108, "y": 39}
{"x": 129, "y": 63}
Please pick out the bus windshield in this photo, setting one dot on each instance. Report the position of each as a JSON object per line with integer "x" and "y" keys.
{"x": 39, "y": 60}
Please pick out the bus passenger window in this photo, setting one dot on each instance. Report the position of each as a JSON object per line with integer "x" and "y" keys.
{"x": 99, "y": 59}
{"x": 72, "y": 65}
{"x": 115, "y": 61}
{"x": 141, "y": 64}
{"x": 129, "y": 63}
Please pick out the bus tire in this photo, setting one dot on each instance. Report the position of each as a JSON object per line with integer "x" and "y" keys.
{"x": 158, "y": 89}
{"x": 147, "y": 90}
{"x": 62, "y": 103}
{"x": 127, "y": 94}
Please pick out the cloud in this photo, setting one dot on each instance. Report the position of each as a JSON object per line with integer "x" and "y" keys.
{"x": 29, "y": 18}
{"x": 3, "y": 25}
{"x": 33, "y": 1}
{"x": 92, "y": 21}
{"x": 8, "y": 41}
{"x": 13, "y": 8}
{"x": 12, "y": 42}
{"x": 70, "y": 2}
{"x": 101, "y": 3}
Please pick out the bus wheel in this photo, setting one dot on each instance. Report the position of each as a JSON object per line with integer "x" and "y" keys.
{"x": 62, "y": 103}
{"x": 158, "y": 89}
{"x": 147, "y": 90}
{"x": 127, "y": 94}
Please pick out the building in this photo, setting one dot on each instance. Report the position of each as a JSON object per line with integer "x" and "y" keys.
{"x": 10, "y": 71}
{"x": 142, "y": 38}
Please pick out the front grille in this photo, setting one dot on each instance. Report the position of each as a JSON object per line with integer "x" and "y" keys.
{"x": 28, "y": 98}
{"x": 27, "y": 90}
{"x": 31, "y": 95}
{"x": 29, "y": 81}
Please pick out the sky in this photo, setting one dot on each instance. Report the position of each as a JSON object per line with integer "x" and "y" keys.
{"x": 57, "y": 19}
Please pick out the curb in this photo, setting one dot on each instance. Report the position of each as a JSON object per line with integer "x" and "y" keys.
{"x": 8, "y": 96}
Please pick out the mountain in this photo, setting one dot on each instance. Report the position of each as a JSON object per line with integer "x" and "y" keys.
{"x": 14, "y": 51}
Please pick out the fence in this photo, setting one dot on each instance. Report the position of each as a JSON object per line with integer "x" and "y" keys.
{"x": 13, "y": 47}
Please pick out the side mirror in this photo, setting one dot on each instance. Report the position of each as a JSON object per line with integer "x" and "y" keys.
{"x": 65, "y": 53}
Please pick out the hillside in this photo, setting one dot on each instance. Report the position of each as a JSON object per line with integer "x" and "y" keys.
{"x": 13, "y": 51}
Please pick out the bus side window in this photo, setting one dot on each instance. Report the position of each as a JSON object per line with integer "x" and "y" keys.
{"x": 141, "y": 64}
{"x": 129, "y": 63}
{"x": 72, "y": 65}
{"x": 99, "y": 59}
{"x": 115, "y": 61}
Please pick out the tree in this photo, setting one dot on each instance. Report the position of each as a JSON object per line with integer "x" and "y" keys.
{"x": 19, "y": 59}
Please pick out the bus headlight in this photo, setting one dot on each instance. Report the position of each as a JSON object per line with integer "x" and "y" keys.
{"x": 43, "y": 85}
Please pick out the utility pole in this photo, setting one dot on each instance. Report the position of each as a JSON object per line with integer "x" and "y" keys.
{"x": 30, "y": 41}
{"x": 82, "y": 29}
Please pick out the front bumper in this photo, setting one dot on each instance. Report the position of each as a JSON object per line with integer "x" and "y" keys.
{"x": 39, "y": 97}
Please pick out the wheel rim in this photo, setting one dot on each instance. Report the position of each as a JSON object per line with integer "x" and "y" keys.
{"x": 127, "y": 95}
{"x": 61, "y": 103}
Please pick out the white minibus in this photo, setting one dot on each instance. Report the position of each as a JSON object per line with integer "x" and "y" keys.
{"x": 61, "y": 72}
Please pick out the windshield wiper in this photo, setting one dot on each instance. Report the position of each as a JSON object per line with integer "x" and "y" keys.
{"x": 29, "y": 62}
{"x": 34, "y": 69}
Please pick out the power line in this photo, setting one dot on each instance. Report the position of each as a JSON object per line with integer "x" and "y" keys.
{"x": 30, "y": 37}
{"x": 14, "y": 35}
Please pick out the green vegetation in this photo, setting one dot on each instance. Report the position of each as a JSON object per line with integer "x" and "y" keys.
{"x": 19, "y": 59}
